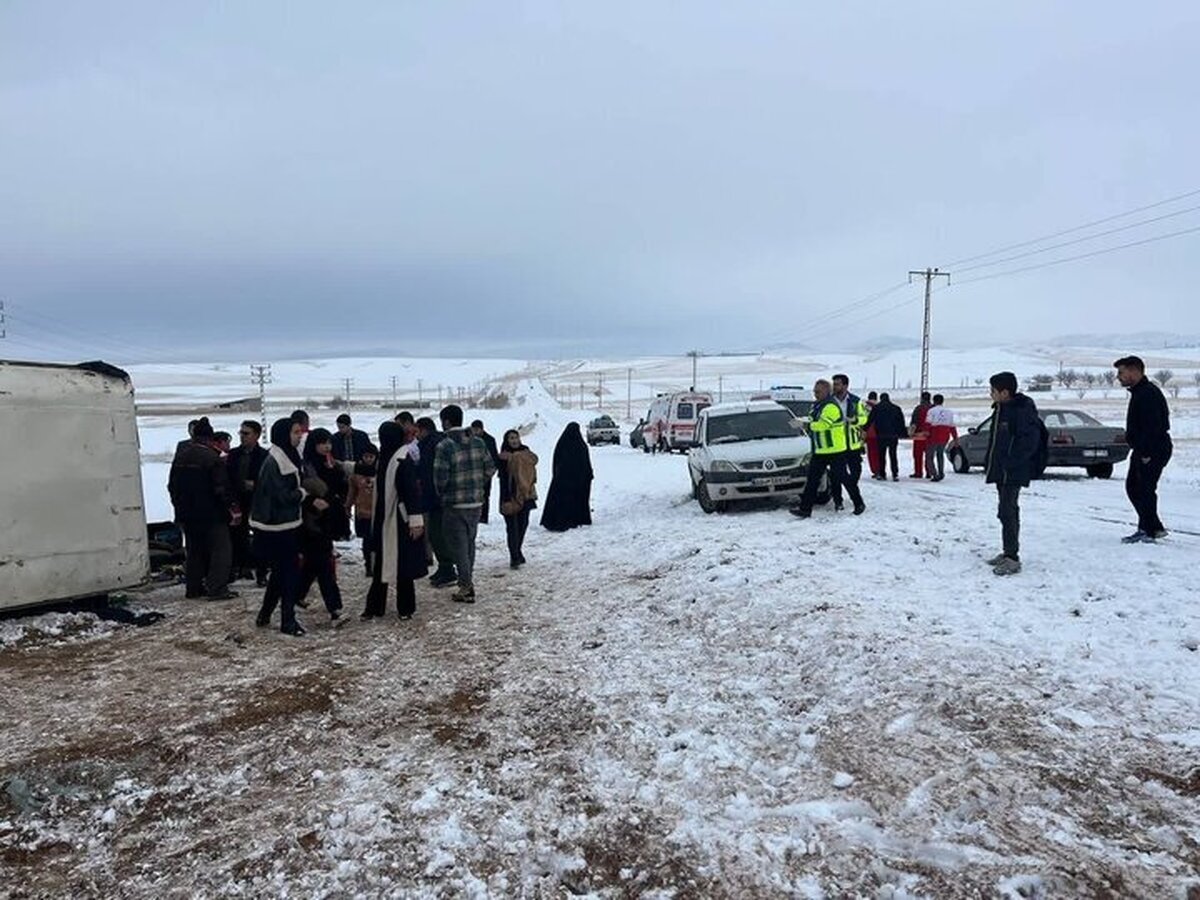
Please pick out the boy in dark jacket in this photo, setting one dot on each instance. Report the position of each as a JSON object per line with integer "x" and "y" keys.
{"x": 1148, "y": 430}
{"x": 1016, "y": 438}
{"x": 199, "y": 489}
{"x": 888, "y": 421}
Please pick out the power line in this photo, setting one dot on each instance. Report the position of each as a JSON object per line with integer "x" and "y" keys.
{"x": 1066, "y": 231}
{"x": 1082, "y": 240}
{"x": 1067, "y": 259}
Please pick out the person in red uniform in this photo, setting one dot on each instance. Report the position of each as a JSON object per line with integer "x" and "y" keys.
{"x": 920, "y": 434}
{"x": 872, "y": 438}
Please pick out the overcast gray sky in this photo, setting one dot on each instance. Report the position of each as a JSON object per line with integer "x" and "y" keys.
{"x": 564, "y": 178}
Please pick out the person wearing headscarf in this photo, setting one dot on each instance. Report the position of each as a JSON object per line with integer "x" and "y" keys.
{"x": 275, "y": 516}
{"x": 397, "y": 541}
{"x": 569, "y": 503}
{"x": 324, "y": 479}
{"x": 518, "y": 492}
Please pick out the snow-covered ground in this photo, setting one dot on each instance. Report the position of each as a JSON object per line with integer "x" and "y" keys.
{"x": 664, "y": 704}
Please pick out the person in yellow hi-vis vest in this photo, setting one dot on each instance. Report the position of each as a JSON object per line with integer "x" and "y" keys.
{"x": 855, "y": 413}
{"x": 830, "y": 440}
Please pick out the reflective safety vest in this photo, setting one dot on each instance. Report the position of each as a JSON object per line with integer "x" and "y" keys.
{"x": 856, "y": 422}
{"x": 828, "y": 428}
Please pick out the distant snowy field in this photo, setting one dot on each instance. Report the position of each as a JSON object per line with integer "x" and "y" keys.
{"x": 666, "y": 704}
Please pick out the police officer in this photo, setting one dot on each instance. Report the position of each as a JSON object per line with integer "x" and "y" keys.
{"x": 854, "y": 413}
{"x": 830, "y": 439}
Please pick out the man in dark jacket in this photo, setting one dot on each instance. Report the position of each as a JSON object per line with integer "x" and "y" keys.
{"x": 1148, "y": 430}
{"x": 199, "y": 488}
{"x": 349, "y": 443}
{"x": 242, "y": 466}
{"x": 1016, "y": 437}
{"x": 888, "y": 421}
{"x": 428, "y": 438}
{"x": 478, "y": 430}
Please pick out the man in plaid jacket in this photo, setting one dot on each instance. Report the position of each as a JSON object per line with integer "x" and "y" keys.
{"x": 462, "y": 473}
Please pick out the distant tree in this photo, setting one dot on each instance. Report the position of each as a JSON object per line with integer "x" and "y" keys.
{"x": 1175, "y": 389}
{"x": 1081, "y": 393}
{"x": 978, "y": 382}
{"x": 1196, "y": 378}
{"x": 1163, "y": 377}
{"x": 1090, "y": 379}
{"x": 1109, "y": 377}
{"x": 1067, "y": 377}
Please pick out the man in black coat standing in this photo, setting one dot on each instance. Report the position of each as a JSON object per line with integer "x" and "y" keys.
{"x": 199, "y": 488}
{"x": 1016, "y": 438}
{"x": 428, "y": 438}
{"x": 349, "y": 443}
{"x": 478, "y": 430}
{"x": 1148, "y": 430}
{"x": 888, "y": 421}
{"x": 242, "y": 466}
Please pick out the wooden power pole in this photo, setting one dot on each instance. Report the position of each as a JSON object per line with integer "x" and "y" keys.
{"x": 928, "y": 275}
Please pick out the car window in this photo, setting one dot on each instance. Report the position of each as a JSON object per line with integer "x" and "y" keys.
{"x": 1053, "y": 419}
{"x": 685, "y": 411}
{"x": 1078, "y": 420}
{"x": 772, "y": 423}
{"x": 985, "y": 426}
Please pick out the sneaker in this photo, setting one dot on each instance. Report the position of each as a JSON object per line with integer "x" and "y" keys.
{"x": 860, "y": 508}
{"x": 838, "y": 507}
{"x": 1137, "y": 537}
{"x": 262, "y": 621}
{"x": 800, "y": 513}
{"x": 1007, "y": 566}
{"x": 464, "y": 595}
{"x": 915, "y": 475}
{"x": 995, "y": 560}
{"x": 1160, "y": 534}
{"x": 442, "y": 580}
{"x": 224, "y": 595}
{"x": 335, "y": 615}
{"x": 895, "y": 478}
{"x": 296, "y": 630}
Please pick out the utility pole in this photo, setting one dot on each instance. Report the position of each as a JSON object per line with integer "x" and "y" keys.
{"x": 395, "y": 402}
{"x": 420, "y": 399}
{"x": 928, "y": 275}
{"x": 261, "y": 375}
{"x": 629, "y": 393}
{"x": 600, "y": 394}
{"x": 720, "y": 388}
{"x": 3, "y": 329}
{"x": 695, "y": 355}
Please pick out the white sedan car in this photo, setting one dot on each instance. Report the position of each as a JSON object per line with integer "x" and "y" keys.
{"x": 747, "y": 451}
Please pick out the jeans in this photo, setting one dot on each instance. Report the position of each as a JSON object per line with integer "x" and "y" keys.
{"x": 1141, "y": 486}
{"x": 516, "y": 526}
{"x": 321, "y": 568}
{"x": 887, "y": 451}
{"x": 850, "y": 474}
{"x": 281, "y": 551}
{"x": 935, "y": 454}
{"x": 1009, "y": 514}
{"x": 209, "y": 559}
{"x": 461, "y": 528}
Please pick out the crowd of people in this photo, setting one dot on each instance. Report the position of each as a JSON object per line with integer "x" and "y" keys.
{"x": 415, "y": 500}
{"x": 844, "y": 428}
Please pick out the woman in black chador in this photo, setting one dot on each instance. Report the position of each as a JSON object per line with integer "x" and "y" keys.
{"x": 397, "y": 527}
{"x": 569, "y": 503}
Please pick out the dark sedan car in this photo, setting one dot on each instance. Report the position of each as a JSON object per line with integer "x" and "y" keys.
{"x": 1076, "y": 440}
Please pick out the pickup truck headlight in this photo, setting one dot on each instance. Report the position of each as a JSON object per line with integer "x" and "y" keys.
{"x": 721, "y": 465}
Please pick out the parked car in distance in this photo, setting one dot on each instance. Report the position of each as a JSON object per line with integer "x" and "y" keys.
{"x": 671, "y": 420}
{"x": 603, "y": 430}
{"x": 798, "y": 400}
{"x": 747, "y": 451}
{"x": 1076, "y": 440}
{"x": 636, "y": 440}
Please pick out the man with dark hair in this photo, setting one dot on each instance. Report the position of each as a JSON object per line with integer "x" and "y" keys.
{"x": 854, "y": 417}
{"x": 349, "y": 443}
{"x": 830, "y": 440}
{"x": 300, "y": 417}
{"x": 888, "y": 421}
{"x": 428, "y": 438}
{"x": 478, "y": 430}
{"x": 1148, "y": 431}
{"x": 462, "y": 469}
{"x": 242, "y": 466}
{"x": 917, "y": 428}
{"x": 405, "y": 418}
{"x": 1011, "y": 462}
{"x": 221, "y": 442}
{"x": 939, "y": 421}
{"x": 199, "y": 489}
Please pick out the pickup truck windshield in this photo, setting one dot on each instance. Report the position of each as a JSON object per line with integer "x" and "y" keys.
{"x": 753, "y": 426}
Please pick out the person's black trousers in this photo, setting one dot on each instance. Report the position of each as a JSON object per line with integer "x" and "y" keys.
{"x": 818, "y": 466}
{"x": 516, "y": 526}
{"x": 322, "y": 569}
{"x": 851, "y": 473}
{"x": 888, "y": 451}
{"x": 1009, "y": 514}
{"x": 1141, "y": 486}
{"x": 280, "y": 550}
{"x": 406, "y": 598}
{"x": 436, "y": 532}
{"x": 209, "y": 557}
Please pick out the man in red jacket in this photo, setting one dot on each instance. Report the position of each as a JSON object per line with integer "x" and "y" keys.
{"x": 872, "y": 438}
{"x": 918, "y": 429}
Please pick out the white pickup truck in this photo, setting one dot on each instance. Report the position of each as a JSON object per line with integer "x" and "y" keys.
{"x": 603, "y": 430}
{"x": 747, "y": 451}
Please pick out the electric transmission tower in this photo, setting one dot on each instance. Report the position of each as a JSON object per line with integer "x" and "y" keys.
{"x": 261, "y": 375}
{"x": 928, "y": 275}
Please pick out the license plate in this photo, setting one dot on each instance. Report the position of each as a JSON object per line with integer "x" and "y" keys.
{"x": 1095, "y": 453}
{"x": 778, "y": 479}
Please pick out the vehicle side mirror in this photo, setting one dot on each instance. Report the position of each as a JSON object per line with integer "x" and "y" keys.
{"x": 972, "y": 431}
